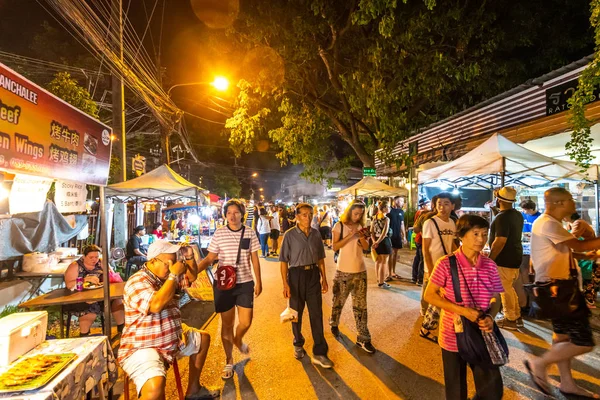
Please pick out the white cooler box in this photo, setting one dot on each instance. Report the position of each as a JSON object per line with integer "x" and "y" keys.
{"x": 20, "y": 333}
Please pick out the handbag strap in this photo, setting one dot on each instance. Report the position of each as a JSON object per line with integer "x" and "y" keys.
{"x": 440, "y": 235}
{"x": 237, "y": 261}
{"x": 455, "y": 279}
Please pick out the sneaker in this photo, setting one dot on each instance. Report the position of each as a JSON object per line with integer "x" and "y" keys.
{"x": 204, "y": 393}
{"x": 420, "y": 283}
{"x": 384, "y": 285}
{"x": 335, "y": 331}
{"x": 322, "y": 361}
{"x": 520, "y": 323}
{"x": 366, "y": 346}
{"x": 506, "y": 323}
{"x": 299, "y": 352}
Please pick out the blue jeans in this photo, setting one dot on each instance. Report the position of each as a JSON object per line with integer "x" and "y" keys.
{"x": 264, "y": 243}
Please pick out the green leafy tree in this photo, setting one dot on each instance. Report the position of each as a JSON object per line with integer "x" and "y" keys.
{"x": 70, "y": 91}
{"x": 579, "y": 147}
{"x": 225, "y": 183}
{"x": 330, "y": 81}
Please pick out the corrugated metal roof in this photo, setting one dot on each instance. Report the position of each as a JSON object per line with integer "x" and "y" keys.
{"x": 515, "y": 106}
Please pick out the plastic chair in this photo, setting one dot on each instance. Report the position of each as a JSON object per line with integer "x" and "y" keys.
{"x": 177, "y": 382}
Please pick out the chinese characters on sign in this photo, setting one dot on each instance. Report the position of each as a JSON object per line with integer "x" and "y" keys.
{"x": 42, "y": 135}
{"x": 70, "y": 196}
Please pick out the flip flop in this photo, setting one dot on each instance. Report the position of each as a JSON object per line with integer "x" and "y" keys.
{"x": 579, "y": 396}
{"x": 396, "y": 276}
{"x": 427, "y": 335}
{"x": 540, "y": 383}
{"x": 227, "y": 372}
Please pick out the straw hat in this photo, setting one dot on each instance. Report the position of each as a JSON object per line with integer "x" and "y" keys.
{"x": 507, "y": 193}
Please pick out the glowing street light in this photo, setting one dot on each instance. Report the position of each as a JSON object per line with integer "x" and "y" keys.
{"x": 254, "y": 175}
{"x": 261, "y": 189}
{"x": 220, "y": 83}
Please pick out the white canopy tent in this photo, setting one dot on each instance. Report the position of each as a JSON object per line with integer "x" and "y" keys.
{"x": 161, "y": 182}
{"x": 370, "y": 187}
{"x": 499, "y": 157}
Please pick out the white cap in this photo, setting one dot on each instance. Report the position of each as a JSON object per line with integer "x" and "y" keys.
{"x": 162, "y": 247}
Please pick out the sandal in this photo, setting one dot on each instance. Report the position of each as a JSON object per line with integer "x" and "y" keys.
{"x": 540, "y": 383}
{"x": 396, "y": 276}
{"x": 569, "y": 395}
{"x": 227, "y": 372}
{"x": 425, "y": 334}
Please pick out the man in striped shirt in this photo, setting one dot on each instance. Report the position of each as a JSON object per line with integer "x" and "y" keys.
{"x": 154, "y": 334}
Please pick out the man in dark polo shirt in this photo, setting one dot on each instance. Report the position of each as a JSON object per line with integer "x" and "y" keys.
{"x": 507, "y": 251}
{"x": 302, "y": 259}
{"x": 135, "y": 251}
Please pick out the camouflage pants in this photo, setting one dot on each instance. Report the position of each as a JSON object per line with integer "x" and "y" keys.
{"x": 345, "y": 283}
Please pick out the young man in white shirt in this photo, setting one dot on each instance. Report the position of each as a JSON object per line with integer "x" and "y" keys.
{"x": 552, "y": 249}
{"x": 275, "y": 230}
{"x": 438, "y": 241}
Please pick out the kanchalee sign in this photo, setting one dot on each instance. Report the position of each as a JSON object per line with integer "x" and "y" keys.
{"x": 42, "y": 135}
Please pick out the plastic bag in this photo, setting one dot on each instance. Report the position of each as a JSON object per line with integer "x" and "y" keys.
{"x": 288, "y": 315}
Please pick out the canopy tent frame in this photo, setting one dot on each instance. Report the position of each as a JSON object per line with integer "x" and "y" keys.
{"x": 371, "y": 187}
{"x": 567, "y": 171}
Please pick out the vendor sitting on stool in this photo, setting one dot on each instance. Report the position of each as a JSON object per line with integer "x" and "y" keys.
{"x": 154, "y": 335}
{"x": 89, "y": 268}
{"x": 135, "y": 251}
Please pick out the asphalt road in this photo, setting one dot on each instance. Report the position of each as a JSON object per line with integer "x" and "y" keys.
{"x": 404, "y": 367}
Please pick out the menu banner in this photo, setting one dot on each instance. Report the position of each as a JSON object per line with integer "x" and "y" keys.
{"x": 42, "y": 135}
{"x": 70, "y": 196}
{"x": 28, "y": 194}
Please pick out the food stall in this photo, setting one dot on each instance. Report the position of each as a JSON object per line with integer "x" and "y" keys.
{"x": 45, "y": 141}
{"x": 499, "y": 162}
{"x": 162, "y": 184}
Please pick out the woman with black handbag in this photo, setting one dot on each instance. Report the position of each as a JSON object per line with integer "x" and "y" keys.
{"x": 467, "y": 334}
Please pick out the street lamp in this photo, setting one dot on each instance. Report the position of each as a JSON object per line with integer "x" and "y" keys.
{"x": 261, "y": 189}
{"x": 254, "y": 175}
{"x": 220, "y": 83}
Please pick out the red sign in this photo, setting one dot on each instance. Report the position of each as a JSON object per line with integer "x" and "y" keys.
{"x": 41, "y": 134}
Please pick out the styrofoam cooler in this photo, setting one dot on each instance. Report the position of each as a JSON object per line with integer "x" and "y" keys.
{"x": 20, "y": 333}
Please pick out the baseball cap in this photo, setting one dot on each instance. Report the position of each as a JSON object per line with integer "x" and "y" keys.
{"x": 162, "y": 247}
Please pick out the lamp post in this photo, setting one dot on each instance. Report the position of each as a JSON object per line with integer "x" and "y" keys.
{"x": 220, "y": 83}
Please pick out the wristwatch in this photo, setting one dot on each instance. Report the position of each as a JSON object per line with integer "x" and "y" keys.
{"x": 173, "y": 277}
{"x": 189, "y": 258}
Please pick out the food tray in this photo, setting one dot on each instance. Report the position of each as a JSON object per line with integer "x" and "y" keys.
{"x": 93, "y": 287}
{"x": 34, "y": 366}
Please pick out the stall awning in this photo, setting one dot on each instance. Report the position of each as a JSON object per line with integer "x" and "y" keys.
{"x": 160, "y": 182}
{"x": 497, "y": 154}
{"x": 370, "y": 186}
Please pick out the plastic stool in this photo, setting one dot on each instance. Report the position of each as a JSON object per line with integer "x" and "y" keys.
{"x": 177, "y": 382}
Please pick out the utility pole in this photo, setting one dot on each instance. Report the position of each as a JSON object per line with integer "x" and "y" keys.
{"x": 118, "y": 96}
{"x": 164, "y": 132}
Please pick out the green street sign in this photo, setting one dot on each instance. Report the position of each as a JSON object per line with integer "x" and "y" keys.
{"x": 369, "y": 172}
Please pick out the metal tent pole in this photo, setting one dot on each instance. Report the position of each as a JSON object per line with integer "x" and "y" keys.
{"x": 502, "y": 176}
{"x": 597, "y": 195}
{"x": 105, "y": 274}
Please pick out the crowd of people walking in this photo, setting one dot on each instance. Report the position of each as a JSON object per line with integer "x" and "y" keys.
{"x": 463, "y": 287}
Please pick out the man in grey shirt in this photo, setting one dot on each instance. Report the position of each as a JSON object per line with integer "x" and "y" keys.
{"x": 302, "y": 259}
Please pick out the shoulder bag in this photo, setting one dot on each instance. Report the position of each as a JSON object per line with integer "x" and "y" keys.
{"x": 226, "y": 274}
{"x": 485, "y": 349}
{"x": 559, "y": 298}
{"x": 337, "y": 252}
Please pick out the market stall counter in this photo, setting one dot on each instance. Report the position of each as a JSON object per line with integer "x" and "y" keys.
{"x": 92, "y": 365}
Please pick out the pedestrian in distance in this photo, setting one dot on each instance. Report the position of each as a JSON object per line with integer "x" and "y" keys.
{"x": 479, "y": 283}
{"x": 530, "y": 214}
{"x": 382, "y": 245}
{"x": 154, "y": 335}
{"x": 506, "y": 251}
{"x": 263, "y": 227}
{"x": 235, "y": 245}
{"x": 417, "y": 265}
{"x": 438, "y": 241}
{"x": 325, "y": 226}
{"x": 302, "y": 261}
{"x": 552, "y": 249}
{"x": 396, "y": 217}
{"x": 275, "y": 229}
{"x": 350, "y": 240}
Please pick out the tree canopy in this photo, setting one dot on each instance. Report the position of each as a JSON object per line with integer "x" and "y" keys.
{"x": 329, "y": 82}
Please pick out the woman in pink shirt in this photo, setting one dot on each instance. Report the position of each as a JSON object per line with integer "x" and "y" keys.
{"x": 351, "y": 274}
{"x": 481, "y": 275}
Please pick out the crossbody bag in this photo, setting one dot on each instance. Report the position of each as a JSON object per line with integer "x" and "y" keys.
{"x": 226, "y": 274}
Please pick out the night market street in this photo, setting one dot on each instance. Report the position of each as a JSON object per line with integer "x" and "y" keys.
{"x": 405, "y": 365}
